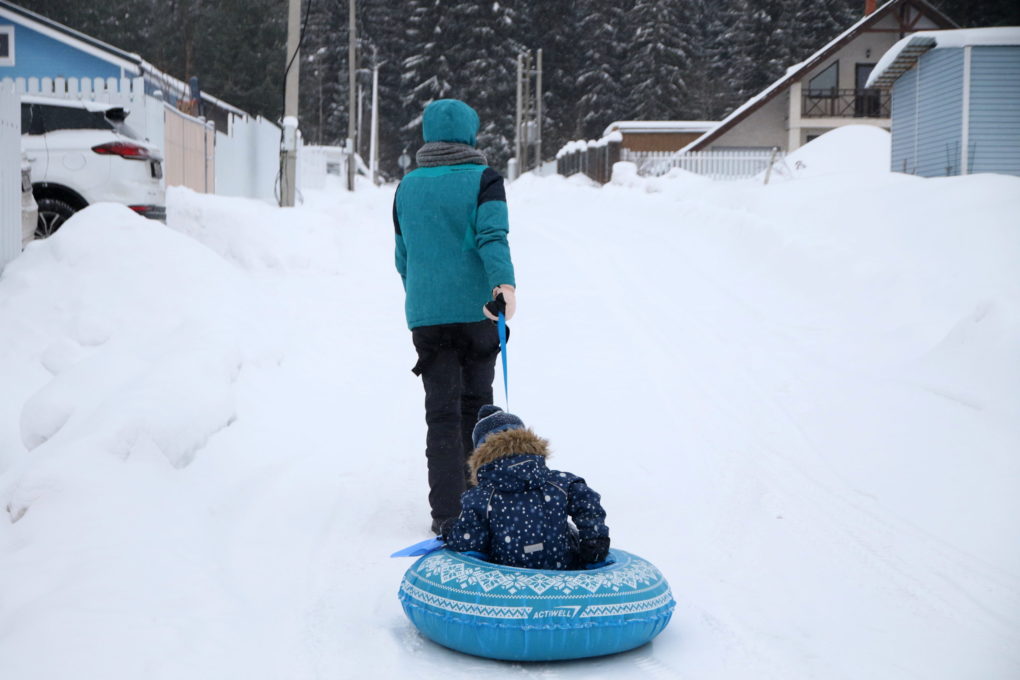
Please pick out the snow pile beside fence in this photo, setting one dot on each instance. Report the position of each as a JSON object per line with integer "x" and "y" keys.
{"x": 852, "y": 148}
{"x": 151, "y": 372}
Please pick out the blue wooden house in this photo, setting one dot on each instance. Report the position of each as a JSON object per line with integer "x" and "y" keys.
{"x": 955, "y": 101}
{"x": 34, "y": 46}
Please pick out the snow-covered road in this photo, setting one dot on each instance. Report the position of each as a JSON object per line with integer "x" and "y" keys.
{"x": 799, "y": 401}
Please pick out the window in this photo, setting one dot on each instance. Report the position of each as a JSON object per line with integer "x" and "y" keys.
{"x": 825, "y": 83}
{"x": 26, "y": 120}
{"x": 68, "y": 118}
{"x": 6, "y": 46}
{"x": 38, "y": 119}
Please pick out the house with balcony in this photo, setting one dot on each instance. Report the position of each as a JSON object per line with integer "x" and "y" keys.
{"x": 828, "y": 89}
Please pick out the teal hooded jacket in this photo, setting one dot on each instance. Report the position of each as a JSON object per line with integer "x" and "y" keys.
{"x": 451, "y": 228}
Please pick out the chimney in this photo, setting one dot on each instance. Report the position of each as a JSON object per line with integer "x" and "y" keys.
{"x": 869, "y": 7}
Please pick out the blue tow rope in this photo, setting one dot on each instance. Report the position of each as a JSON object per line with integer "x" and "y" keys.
{"x": 502, "y": 350}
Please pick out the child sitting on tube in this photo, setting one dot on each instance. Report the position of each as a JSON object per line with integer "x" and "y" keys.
{"x": 519, "y": 511}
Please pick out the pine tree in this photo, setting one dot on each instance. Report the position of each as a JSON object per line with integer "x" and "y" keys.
{"x": 980, "y": 13}
{"x": 554, "y": 28}
{"x": 242, "y": 60}
{"x": 814, "y": 23}
{"x": 427, "y": 75}
{"x": 324, "y": 75}
{"x": 657, "y": 65}
{"x": 383, "y": 26}
{"x": 604, "y": 43}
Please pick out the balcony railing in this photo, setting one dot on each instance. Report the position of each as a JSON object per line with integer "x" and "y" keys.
{"x": 859, "y": 103}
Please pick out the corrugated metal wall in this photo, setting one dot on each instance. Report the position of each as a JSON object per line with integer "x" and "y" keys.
{"x": 940, "y": 112}
{"x": 904, "y": 123}
{"x": 995, "y": 109}
{"x": 927, "y": 113}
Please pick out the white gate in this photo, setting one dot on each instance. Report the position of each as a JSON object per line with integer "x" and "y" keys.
{"x": 10, "y": 174}
{"x": 189, "y": 152}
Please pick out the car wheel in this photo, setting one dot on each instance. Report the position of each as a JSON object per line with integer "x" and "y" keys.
{"x": 52, "y": 214}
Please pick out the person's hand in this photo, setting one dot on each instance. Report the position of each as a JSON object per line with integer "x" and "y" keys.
{"x": 593, "y": 550}
{"x": 509, "y": 300}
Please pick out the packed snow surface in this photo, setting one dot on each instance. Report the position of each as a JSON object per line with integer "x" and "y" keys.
{"x": 800, "y": 401}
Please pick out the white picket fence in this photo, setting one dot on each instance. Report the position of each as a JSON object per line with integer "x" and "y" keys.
{"x": 10, "y": 174}
{"x": 722, "y": 165}
{"x": 146, "y": 112}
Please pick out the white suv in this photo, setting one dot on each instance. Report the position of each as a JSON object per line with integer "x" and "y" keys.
{"x": 82, "y": 153}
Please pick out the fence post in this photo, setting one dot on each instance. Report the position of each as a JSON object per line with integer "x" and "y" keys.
{"x": 10, "y": 174}
{"x": 613, "y": 156}
{"x": 772, "y": 159}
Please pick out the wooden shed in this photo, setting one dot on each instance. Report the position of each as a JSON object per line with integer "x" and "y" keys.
{"x": 955, "y": 101}
{"x": 658, "y": 135}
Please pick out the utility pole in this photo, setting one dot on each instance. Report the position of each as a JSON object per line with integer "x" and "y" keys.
{"x": 373, "y": 147}
{"x": 538, "y": 112}
{"x": 288, "y": 151}
{"x": 520, "y": 114}
{"x": 527, "y": 115}
{"x": 352, "y": 56}
{"x": 529, "y": 112}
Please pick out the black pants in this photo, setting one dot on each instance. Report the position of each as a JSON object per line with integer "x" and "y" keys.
{"x": 457, "y": 364}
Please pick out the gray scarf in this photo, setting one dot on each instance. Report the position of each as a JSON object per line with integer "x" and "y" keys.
{"x": 448, "y": 153}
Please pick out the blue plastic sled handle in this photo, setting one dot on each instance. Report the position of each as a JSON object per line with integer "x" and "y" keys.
{"x": 421, "y": 548}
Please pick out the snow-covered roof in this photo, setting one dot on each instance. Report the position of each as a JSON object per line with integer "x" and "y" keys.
{"x": 795, "y": 72}
{"x": 902, "y": 56}
{"x": 660, "y": 126}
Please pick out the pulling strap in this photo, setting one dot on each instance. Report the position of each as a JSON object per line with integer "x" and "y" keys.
{"x": 502, "y": 350}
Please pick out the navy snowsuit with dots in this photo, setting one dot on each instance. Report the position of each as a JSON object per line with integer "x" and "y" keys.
{"x": 519, "y": 512}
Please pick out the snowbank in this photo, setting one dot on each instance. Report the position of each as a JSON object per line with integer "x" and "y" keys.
{"x": 798, "y": 400}
{"x": 851, "y": 148}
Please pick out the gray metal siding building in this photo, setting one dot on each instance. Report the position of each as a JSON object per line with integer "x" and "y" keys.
{"x": 994, "y": 144}
{"x": 955, "y": 105}
{"x": 939, "y": 114}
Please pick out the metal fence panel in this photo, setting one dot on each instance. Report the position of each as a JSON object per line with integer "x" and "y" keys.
{"x": 10, "y": 174}
{"x": 248, "y": 159}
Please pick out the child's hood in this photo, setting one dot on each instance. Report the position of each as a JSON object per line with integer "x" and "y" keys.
{"x": 501, "y": 447}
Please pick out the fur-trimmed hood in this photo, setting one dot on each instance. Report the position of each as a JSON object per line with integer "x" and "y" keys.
{"x": 505, "y": 444}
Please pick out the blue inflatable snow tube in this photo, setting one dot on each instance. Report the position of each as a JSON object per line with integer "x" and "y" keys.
{"x": 517, "y": 614}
